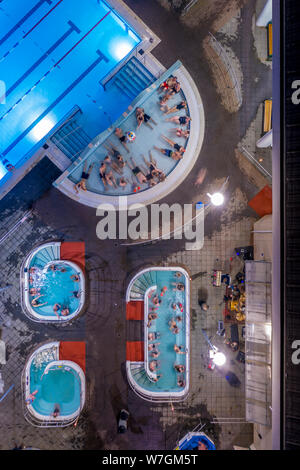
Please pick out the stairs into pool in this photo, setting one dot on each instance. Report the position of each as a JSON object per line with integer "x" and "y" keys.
{"x": 131, "y": 79}
{"x": 141, "y": 284}
{"x": 71, "y": 139}
{"x": 139, "y": 374}
{"x": 46, "y": 255}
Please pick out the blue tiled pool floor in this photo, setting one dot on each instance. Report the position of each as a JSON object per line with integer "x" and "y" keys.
{"x": 67, "y": 45}
{"x": 145, "y": 141}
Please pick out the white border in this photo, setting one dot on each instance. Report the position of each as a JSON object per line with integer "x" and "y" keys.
{"x": 24, "y": 281}
{"x": 176, "y": 176}
{"x": 70, "y": 364}
{"x": 142, "y": 391}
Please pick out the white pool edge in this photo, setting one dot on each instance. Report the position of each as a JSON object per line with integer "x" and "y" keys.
{"x": 73, "y": 365}
{"x": 24, "y": 284}
{"x": 135, "y": 386}
{"x": 175, "y": 177}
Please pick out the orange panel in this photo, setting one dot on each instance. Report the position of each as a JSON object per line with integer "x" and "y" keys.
{"x": 262, "y": 202}
{"x": 73, "y": 351}
{"x": 73, "y": 251}
{"x": 135, "y": 310}
{"x": 135, "y": 351}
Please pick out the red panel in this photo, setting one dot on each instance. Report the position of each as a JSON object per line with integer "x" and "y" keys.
{"x": 73, "y": 251}
{"x": 135, "y": 351}
{"x": 135, "y": 310}
{"x": 73, "y": 351}
{"x": 262, "y": 202}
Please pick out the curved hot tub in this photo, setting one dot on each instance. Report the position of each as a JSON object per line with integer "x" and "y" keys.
{"x": 164, "y": 297}
{"x": 52, "y": 290}
{"x": 54, "y": 392}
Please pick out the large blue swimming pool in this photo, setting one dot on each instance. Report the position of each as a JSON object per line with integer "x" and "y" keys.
{"x": 53, "y": 53}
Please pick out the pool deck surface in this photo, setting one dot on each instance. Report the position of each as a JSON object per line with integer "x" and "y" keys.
{"x": 109, "y": 267}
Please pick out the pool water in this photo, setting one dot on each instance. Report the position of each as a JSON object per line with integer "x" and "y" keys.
{"x": 65, "y": 48}
{"x": 144, "y": 142}
{"x": 59, "y": 386}
{"x": 168, "y": 357}
{"x": 56, "y": 287}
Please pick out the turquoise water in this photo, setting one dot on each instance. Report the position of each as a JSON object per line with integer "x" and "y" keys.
{"x": 84, "y": 41}
{"x": 168, "y": 357}
{"x": 58, "y": 386}
{"x": 56, "y": 287}
{"x": 144, "y": 142}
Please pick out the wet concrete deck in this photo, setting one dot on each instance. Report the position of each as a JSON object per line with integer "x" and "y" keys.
{"x": 109, "y": 266}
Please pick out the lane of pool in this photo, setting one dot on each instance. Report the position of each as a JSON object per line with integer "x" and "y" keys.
{"x": 52, "y": 42}
{"x": 167, "y": 339}
{"x": 9, "y": 15}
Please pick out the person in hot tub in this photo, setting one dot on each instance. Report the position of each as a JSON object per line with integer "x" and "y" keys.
{"x": 75, "y": 277}
{"x": 65, "y": 311}
{"x": 56, "y": 309}
{"x": 35, "y": 274}
{"x": 35, "y": 302}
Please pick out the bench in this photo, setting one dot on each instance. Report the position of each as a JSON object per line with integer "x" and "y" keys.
{"x": 267, "y": 122}
{"x": 270, "y": 40}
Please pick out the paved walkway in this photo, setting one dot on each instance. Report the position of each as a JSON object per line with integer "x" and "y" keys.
{"x": 109, "y": 266}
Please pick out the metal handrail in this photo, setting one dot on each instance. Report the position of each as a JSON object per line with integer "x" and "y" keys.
{"x": 251, "y": 158}
{"x": 153, "y": 399}
{"x": 230, "y": 68}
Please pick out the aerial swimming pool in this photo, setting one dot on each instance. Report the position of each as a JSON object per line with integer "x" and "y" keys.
{"x": 55, "y": 284}
{"x": 163, "y": 374}
{"x": 172, "y": 307}
{"x": 53, "y": 54}
{"x": 59, "y": 385}
{"x": 52, "y": 383}
{"x": 52, "y": 289}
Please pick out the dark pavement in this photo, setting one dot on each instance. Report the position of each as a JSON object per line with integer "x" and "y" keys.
{"x": 109, "y": 265}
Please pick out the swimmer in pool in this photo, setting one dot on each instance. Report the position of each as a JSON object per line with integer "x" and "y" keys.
{"x": 122, "y": 138}
{"x": 180, "y": 382}
{"x": 153, "y": 336}
{"x": 153, "y": 366}
{"x": 56, "y": 309}
{"x": 179, "y": 367}
{"x": 56, "y": 411}
{"x": 179, "y": 349}
{"x": 155, "y": 353}
{"x": 35, "y": 302}
{"x": 178, "y": 286}
{"x": 31, "y": 398}
{"x": 152, "y": 316}
{"x": 83, "y": 179}
{"x": 177, "y": 274}
{"x": 156, "y": 300}
{"x": 34, "y": 291}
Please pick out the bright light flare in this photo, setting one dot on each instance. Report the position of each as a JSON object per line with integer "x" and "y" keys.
{"x": 219, "y": 359}
{"x": 121, "y": 49}
{"x": 42, "y": 128}
{"x": 217, "y": 199}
